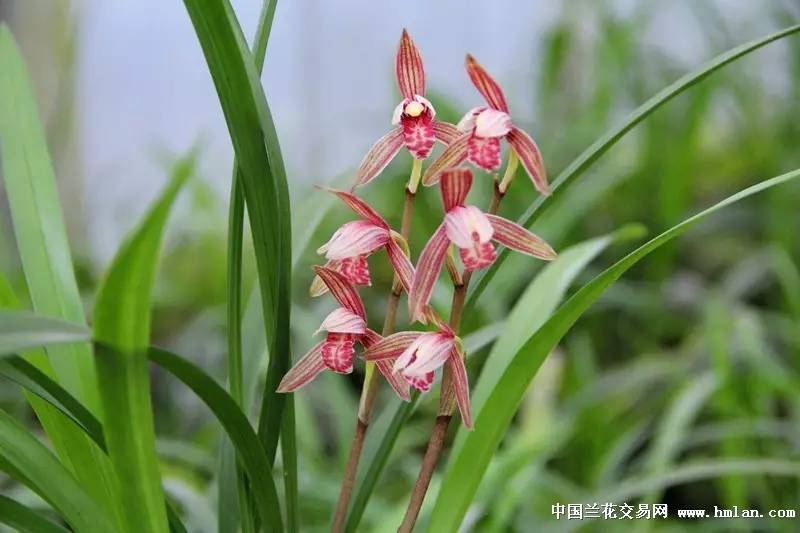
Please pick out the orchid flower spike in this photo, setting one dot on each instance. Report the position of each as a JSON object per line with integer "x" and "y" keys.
{"x": 348, "y": 248}
{"x": 345, "y": 327}
{"x": 416, "y": 356}
{"x": 414, "y": 118}
{"x": 482, "y": 128}
{"x": 472, "y": 232}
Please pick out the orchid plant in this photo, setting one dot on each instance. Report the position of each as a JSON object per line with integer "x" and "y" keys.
{"x": 411, "y": 359}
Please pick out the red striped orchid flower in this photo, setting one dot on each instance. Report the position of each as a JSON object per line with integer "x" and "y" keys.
{"x": 416, "y": 127}
{"x": 482, "y": 128}
{"x": 472, "y": 232}
{"x": 345, "y": 327}
{"x": 416, "y": 356}
{"x": 348, "y": 248}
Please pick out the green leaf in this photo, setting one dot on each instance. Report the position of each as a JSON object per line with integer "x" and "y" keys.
{"x": 26, "y": 520}
{"x": 122, "y": 321}
{"x": 251, "y": 453}
{"x": 22, "y": 331}
{"x": 31, "y": 463}
{"x": 604, "y": 143}
{"x": 466, "y": 469}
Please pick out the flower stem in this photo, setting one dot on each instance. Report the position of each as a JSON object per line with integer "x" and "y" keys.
{"x": 446, "y": 399}
{"x": 370, "y": 387}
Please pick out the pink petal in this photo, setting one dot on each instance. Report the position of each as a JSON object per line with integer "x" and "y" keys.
{"x": 531, "y": 158}
{"x": 421, "y": 383}
{"x": 409, "y": 68}
{"x": 432, "y": 351}
{"x": 304, "y": 370}
{"x": 445, "y": 132}
{"x": 397, "y": 381}
{"x": 467, "y": 224}
{"x": 359, "y": 206}
{"x": 342, "y": 320}
{"x": 354, "y": 269}
{"x": 467, "y": 122}
{"x": 486, "y": 85}
{"x": 418, "y": 134}
{"x": 492, "y": 123}
{"x": 391, "y": 346}
{"x": 342, "y": 290}
{"x": 518, "y": 238}
{"x": 478, "y": 255}
{"x": 354, "y": 238}
{"x": 338, "y": 352}
{"x": 484, "y": 153}
{"x": 401, "y": 264}
{"x": 369, "y": 338}
{"x": 427, "y": 272}
{"x": 460, "y": 384}
{"x": 453, "y": 155}
{"x": 380, "y": 155}
{"x": 455, "y": 184}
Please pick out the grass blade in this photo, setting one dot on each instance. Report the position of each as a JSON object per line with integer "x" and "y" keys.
{"x": 122, "y": 320}
{"x": 466, "y": 469}
{"x": 20, "y": 331}
{"x": 604, "y": 143}
{"x": 26, "y": 520}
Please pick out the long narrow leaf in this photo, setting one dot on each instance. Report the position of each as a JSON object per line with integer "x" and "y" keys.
{"x": 26, "y": 520}
{"x": 466, "y": 469}
{"x": 21, "y": 331}
{"x": 122, "y": 321}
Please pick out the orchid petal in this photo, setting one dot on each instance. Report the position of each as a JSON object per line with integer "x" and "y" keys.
{"x": 453, "y": 155}
{"x": 342, "y": 320}
{"x": 421, "y": 383}
{"x": 427, "y": 272}
{"x": 398, "y": 112}
{"x": 354, "y": 269}
{"x": 467, "y": 224}
{"x": 530, "y": 157}
{"x": 395, "y": 380}
{"x": 467, "y": 122}
{"x": 433, "y": 352}
{"x": 305, "y": 370}
{"x": 390, "y": 346}
{"x": 455, "y": 185}
{"x": 401, "y": 264}
{"x": 408, "y": 355}
{"x": 484, "y": 153}
{"x": 460, "y": 384}
{"x": 380, "y": 155}
{"x": 492, "y": 123}
{"x": 338, "y": 352}
{"x": 517, "y": 238}
{"x": 426, "y": 103}
{"x": 409, "y": 68}
{"x": 359, "y": 206}
{"x": 369, "y": 338}
{"x": 354, "y": 238}
{"x": 445, "y": 132}
{"x": 342, "y": 290}
{"x": 486, "y": 85}
{"x": 479, "y": 255}
{"x": 418, "y": 134}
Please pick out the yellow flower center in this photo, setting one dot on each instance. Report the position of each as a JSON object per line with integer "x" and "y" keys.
{"x": 414, "y": 109}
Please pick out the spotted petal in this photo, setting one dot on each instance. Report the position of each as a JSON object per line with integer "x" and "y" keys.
{"x": 359, "y": 206}
{"x": 427, "y": 272}
{"x": 342, "y": 320}
{"x": 305, "y": 370}
{"x": 486, "y": 85}
{"x": 519, "y": 239}
{"x": 455, "y": 185}
{"x": 338, "y": 352}
{"x": 354, "y": 238}
{"x": 342, "y": 290}
{"x": 354, "y": 269}
{"x": 484, "y": 152}
{"x": 421, "y": 383}
{"x": 453, "y": 155}
{"x": 409, "y": 68}
{"x": 530, "y": 157}
{"x": 380, "y": 155}
{"x": 419, "y": 135}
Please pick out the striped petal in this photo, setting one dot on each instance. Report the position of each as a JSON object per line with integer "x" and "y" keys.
{"x": 354, "y": 238}
{"x": 359, "y": 206}
{"x": 342, "y": 320}
{"x": 427, "y": 354}
{"x": 398, "y": 383}
{"x": 390, "y": 347}
{"x": 380, "y": 155}
{"x": 427, "y": 272}
{"x": 304, "y": 370}
{"x": 455, "y": 184}
{"x": 517, "y": 238}
{"x": 342, "y": 290}
{"x": 409, "y": 68}
{"x": 445, "y": 132}
{"x": 460, "y": 384}
{"x": 354, "y": 269}
{"x": 486, "y": 85}
{"x": 401, "y": 264}
{"x": 484, "y": 152}
{"x": 530, "y": 157}
{"x": 453, "y": 155}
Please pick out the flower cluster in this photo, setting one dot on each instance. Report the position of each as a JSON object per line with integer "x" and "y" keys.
{"x": 412, "y": 358}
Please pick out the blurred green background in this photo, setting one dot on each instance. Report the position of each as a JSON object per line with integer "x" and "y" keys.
{"x": 692, "y": 358}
